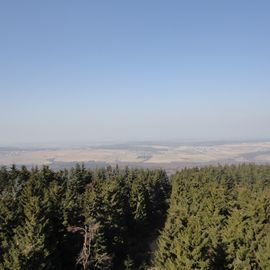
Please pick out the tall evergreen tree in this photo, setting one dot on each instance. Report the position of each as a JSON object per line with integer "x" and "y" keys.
{"x": 28, "y": 248}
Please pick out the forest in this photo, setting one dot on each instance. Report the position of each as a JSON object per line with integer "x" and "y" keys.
{"x": 216, "y": 217}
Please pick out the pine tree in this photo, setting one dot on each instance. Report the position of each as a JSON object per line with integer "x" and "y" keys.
{"x": 28, "y": 248}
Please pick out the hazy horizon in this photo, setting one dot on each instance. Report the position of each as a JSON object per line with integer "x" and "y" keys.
{"x": 99, "y": 143}
{"x": 84, "y": 72}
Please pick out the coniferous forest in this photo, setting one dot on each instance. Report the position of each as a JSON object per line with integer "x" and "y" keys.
{"x": 111, "y": 218}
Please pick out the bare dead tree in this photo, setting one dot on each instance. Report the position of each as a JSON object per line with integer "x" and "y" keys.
{"x": 89, "y": 232}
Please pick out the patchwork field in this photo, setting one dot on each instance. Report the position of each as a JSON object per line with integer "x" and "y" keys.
{"x": 141, "y": 155}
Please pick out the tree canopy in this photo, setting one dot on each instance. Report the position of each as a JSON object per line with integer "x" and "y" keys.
{"x": 110, "y": 218}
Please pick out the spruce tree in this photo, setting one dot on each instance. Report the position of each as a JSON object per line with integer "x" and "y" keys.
{"x": 28, "y": 248}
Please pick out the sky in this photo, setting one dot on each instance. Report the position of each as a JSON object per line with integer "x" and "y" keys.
{"x": 117, "y": 71}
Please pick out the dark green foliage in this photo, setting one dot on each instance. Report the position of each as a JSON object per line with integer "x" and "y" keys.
{"x": 44, "y": 214}
{"x": 28, "y": 247}
{"x": 219, "y": 218}
{"x": 109, "y": 218}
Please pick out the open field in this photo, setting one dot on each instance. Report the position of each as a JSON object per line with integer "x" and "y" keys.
{"x": 142, "y": 155}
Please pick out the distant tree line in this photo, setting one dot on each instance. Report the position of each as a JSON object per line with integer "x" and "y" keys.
{"x": 111, "y": 218}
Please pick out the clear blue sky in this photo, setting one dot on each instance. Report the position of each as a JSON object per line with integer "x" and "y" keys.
{"x": 83, "y": 71}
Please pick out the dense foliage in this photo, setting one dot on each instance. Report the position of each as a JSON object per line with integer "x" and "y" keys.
{"x": 111, "y": 218}
{"x": 80, "y": 219}
{"x": 219, "y": 218}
